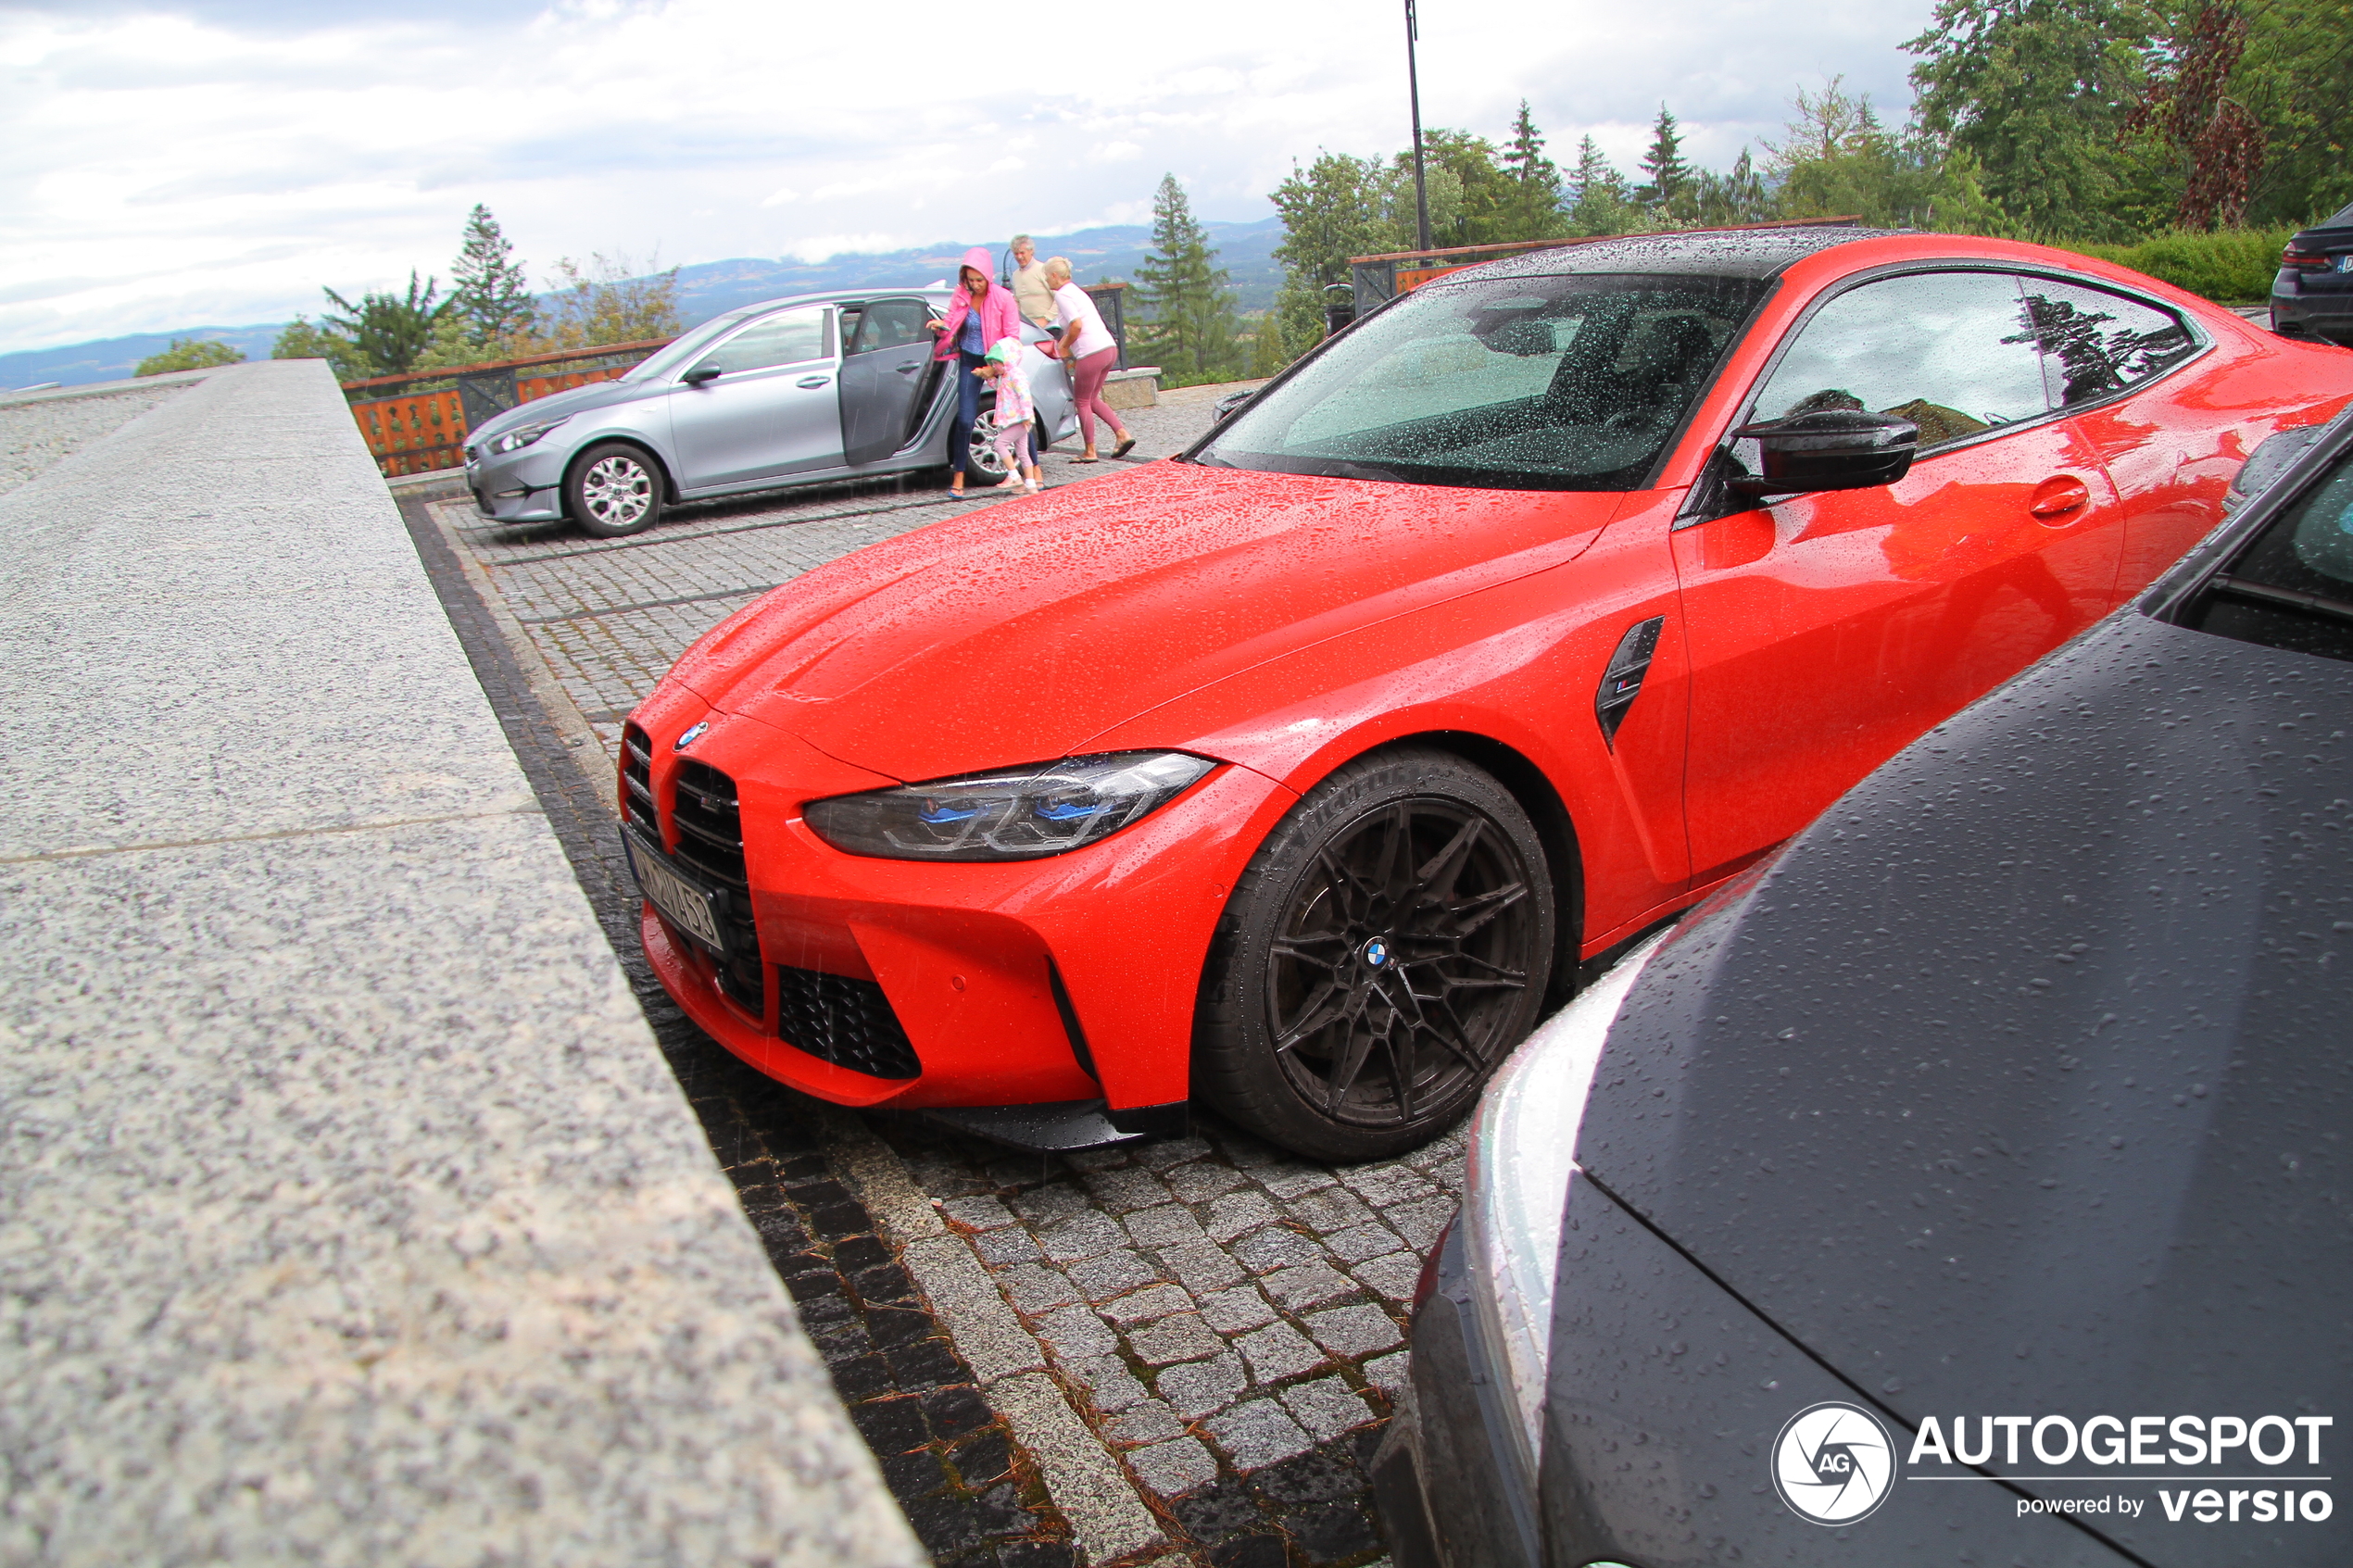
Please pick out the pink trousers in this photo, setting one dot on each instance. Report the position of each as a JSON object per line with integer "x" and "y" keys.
{"x": 1090, "y": 372}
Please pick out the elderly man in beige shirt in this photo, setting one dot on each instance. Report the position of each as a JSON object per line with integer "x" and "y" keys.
{"x": 1032, "y": 294}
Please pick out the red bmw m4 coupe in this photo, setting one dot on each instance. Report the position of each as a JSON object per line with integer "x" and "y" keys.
{"x": 1298, "y": 775}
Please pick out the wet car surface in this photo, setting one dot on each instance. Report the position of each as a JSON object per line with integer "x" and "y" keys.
{"x": 1192, "y": 1340}
{"x": 2312, "y": 295}
{"x": 1297, "y": 776}
{"x": 2010, "y": 1098}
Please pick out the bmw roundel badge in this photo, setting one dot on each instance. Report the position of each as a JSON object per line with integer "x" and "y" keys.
{"x": 1376, "y": 953}
{"x": 692, "y": 736}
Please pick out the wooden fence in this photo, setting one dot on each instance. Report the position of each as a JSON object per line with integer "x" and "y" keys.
{"x": 423, "y": 429}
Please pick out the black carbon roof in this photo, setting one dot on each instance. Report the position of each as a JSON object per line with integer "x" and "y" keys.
{"x": 1751, "y": 253}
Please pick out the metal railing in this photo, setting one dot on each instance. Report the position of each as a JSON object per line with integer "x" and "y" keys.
{"x": 1110, "y": 302}
{"x": 421, "y": 427}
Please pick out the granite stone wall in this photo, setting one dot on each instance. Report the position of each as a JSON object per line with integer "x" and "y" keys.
{"x": 348, "y": 1213}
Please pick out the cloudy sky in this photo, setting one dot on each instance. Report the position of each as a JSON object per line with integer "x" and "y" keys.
{"x": 215, "y": 161}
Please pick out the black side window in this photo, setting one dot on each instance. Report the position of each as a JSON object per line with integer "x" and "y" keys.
{"x": 1949, "y": 351}
{"x": 890, "y": 323}
{"x": 2293, "y": 587}
{"x": 2096, "y": 342}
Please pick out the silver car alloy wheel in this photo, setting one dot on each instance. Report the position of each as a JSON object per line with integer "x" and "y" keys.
{"x": 617, "y": 491}
{"x": 981, "y": 457}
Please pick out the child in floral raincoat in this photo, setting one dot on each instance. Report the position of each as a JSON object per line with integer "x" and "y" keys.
{"x": 1017, "y": 410}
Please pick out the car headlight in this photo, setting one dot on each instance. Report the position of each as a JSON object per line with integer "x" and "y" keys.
{"x": 1516, "y": 1185}
{"x": 1011, "y": 814}
{"x": 515, "y": 440}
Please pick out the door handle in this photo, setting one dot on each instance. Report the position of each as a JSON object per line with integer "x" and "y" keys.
{"x": 813, "y": 380}
{"x": 2057, "y": 498}
{"x": 908, "y": 369}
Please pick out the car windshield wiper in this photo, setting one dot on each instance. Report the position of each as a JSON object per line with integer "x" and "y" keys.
{"x": 2285, "y": 598}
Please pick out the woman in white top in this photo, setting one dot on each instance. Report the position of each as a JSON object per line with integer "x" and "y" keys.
{"x": 1091, "y": 351}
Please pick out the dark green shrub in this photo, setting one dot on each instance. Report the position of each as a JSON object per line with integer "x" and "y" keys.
{"x": 2229, "y": 266}
{"x": 188, "y": 354}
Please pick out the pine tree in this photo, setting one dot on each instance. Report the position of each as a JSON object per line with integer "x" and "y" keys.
{"x": 493, "y": 294}
{"x": 1737, "y": 197}
{"x": 1598, "y": 200}
{"x": 1535, "y": 212}
{"x": 1268, "y": 353}
{"x": 1188, "y": 313}
{"x": 1591, "y": 167}
{"x": 1671, "y": 176}
{"x": 388, "y": 331}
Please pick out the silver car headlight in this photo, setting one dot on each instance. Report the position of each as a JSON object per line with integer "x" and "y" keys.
{"x": 515, "y": 440}
{"x": 1011, "y": 814}
{"x": 1523, "y": 1138}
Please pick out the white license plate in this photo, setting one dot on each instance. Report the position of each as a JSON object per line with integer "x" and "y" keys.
{"x": 689, "y": 907}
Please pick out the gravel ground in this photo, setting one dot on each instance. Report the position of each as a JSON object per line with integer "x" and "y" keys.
{"x": 41, "y": 431}
{"x": 1188, "y": 1345}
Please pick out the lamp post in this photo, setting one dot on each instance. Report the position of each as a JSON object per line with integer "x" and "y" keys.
{"x": 1413, "y": 96}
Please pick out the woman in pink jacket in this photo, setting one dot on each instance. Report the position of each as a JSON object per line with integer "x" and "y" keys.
{"x": 978, "y": 315}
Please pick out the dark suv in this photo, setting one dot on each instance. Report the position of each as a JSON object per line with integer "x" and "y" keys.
{"x": 2313, "y": 294}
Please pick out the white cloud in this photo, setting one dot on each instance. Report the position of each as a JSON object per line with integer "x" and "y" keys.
{"x": 159, "y": 171}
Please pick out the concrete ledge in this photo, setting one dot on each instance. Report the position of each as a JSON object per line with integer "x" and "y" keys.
{"x": 348, "y": 1213}
{"x": 40, "y": 429}
{"x": 1137, "y": 387}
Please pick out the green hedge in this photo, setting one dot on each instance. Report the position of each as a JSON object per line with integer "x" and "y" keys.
{"x": 2233, "y": 266}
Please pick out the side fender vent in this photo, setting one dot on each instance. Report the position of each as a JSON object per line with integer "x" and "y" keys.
{"x": 1622, "y": 680}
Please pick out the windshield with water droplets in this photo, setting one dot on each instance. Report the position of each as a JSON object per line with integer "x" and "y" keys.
{"x": 1574, "y": 382}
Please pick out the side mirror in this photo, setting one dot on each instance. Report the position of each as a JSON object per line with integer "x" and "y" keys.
{"x": 700, "y": 374}
{"x": 1230, "y": 406}
{"x": 1828, "y": 449}
{"x": 2266, "y": 463}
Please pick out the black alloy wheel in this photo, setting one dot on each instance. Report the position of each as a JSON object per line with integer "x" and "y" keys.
{"x": 1389, "y": 945}
{"x": 613, "y": 489}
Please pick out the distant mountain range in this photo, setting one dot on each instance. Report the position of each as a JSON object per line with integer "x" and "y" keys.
{"x": 1245, "y": 250}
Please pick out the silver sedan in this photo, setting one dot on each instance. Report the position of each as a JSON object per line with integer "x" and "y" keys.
{"x": 811, "y": 390}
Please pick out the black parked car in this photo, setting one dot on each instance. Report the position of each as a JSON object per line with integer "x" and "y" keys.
{"x": 2313, "y": 297}
{"x": 1970, "y": 1184}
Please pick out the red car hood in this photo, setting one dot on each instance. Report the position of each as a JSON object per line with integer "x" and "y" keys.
{"x": 1016, "y": 633}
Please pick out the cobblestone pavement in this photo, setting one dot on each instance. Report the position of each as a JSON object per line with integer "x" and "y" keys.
{"x": 1180, "y": 1350}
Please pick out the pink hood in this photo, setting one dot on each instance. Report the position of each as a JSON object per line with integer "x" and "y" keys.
{"x": 999, "y": 318}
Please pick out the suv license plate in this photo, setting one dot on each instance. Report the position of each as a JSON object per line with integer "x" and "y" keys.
{"x": 689, "y": 907}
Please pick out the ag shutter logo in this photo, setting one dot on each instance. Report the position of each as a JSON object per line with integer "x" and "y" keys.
{"x": 1834, "y": 1463}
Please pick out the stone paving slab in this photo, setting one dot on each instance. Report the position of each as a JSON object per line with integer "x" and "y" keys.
{"x": 1191, "y": 1343}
